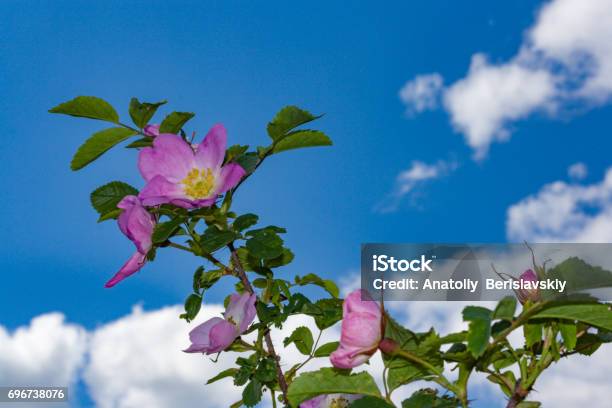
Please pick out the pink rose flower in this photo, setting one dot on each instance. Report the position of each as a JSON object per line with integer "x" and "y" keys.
{"x": 178, "y": 174}
{"x": 137, "y": 224}
{"x": 361, "y": 331}
{"x": 151, "y": 130}
{"x": 331, "y": 401}
{"x": 524, "y": 295}
{"x": 216, "y": 334}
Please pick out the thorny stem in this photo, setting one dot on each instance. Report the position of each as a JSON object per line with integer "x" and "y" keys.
{"x": 282, "y": 382}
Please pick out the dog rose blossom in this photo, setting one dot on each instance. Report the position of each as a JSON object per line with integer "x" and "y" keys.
{"x": 361, "y": 331}
{"x": 137, "y": 224}
{"x": 216, "y": 334}
{"x": 190, "y": 177}
{"x": 331, "y": 401}
{"x": 524, "y": 295}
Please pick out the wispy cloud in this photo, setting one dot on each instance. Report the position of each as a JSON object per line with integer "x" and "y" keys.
{"x": 409, "y": 180}
{"x": 422, "y": 93}
{"x": 577, "y": 171}
{"x": 566, "y": 57}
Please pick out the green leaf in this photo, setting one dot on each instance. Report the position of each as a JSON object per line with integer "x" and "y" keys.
{"x": 285, "y": 258}
{"x": 428, "y": 398}
{"x": 265, "y": 244}
{"x": 193, "y": 303}
{"x": 302, "y": 338}
{"x": 479, "y": 328}
{"x": 369, "y": 402}
{"x": 330, "y": 381}
{"x": 505, "y": 308}
{"x": 140, "y": 143}
{"x": 175, "y": 122}
{"x": 164, "y": 230}
{"x": 529, "y": 404}
{"x": 266, "y": 370}
{"x": 141, "y": 113}
{"x": 98, "y": 144}
{"x": 105, "y": 198}
{"x": 326, "y": 312}
{"x": 251, "y": 395}
{"x": 244, "y": 221}
{"x": 533, "y": 333}
{"x": 568, "y": 333}
{"x": 300, "y": 139}
{"x": 424, "y": 345}
{"x": 287, "y": 119}
{"x": 88, "y": 107}
{"x": 230, "y": 372}
{"x": 326, "y": 349}
{"x": 248, "y": 161}
{"x": 588, "y": 343}
{"x": 313, "y": 279}
{"x": 594, "y": 314}
{"x": 235, "y": 151}
{"x": 580, "y": 276}
{"x": 213, "y": 239}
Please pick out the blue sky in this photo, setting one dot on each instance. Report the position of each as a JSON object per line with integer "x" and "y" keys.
{"x": 238, "y": 63}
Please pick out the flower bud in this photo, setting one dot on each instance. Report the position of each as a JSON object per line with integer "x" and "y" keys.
{"x": 388, "y": 346}
{"x": 524, "y": 294}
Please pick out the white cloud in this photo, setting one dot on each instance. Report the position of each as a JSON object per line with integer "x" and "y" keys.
{"x": 564, "y": 212}
{"x": 422, "y": 93}
{"x": 565, "y": 57}
{"x": 46, "y": 352}
{"x": 414, "y": 176}
{"x": 490, "y": 96}
{"x": 577, "y": 171}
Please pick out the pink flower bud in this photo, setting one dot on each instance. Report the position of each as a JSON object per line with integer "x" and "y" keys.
{"x": 388, "y": 346}
{"x": 361, "y": 331}
{"x": 151, "y": 130}
{"x": 524, "y": 295}
{"x": 217, "y": 334}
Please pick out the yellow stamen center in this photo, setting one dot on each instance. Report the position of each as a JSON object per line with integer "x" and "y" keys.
{"x": 198, "y": 183}
{"x": 339, "y": 402}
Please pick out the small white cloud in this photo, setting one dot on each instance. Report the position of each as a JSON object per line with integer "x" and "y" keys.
{"x": 566, "y": 57}
{"x": 483, "y": 103}
{"x": 564, "y": 212}
{"x": 577, "y": 171}
{"x": 422, "y": 93}
{"x": 413, "y": 177}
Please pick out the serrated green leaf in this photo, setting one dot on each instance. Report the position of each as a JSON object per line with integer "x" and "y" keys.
{"x": 326, "y": 349}
{"x": 330, "y": 381}
{"x": 479, "y": 319}
{"x": 302, "y": 338}
{"x": 369, "y": 402}
{"x": 505, "y": 308}
{"x": 164, "y": 230}
{"x": 88, "y": 107}
{"x": 244, "y": 221}
{"x": 175, "y": 122}
{"x": 287, "y": 119}
{"x": 428, "y": 398}
{"x": 98, "y": 144}
{"x": 594, "y": 314}
{"x": 141, "y": 113}
{"x": 213, "y": 239}
{"x": 193, "y": 303}
{"x": 248, "y": 161}
{"x": 313, "y": 279}
{"x": 105, "y": 198}
{"x": 265, "y": 244}
{"x": 532, "y": 333}
{"x": 579, "y": 275}
{"x": 300, "y": 139}
{"x": 251, "y": 395}
{"x": 568, "y": 333}
{"x": 230, "y": 372}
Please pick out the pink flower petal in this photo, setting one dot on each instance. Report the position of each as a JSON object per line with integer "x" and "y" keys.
{"x": 170, "y": 157}
{"x": 211, "y": 152}
{"x": 241, "y": 310}
{"x": 229, "y": 176}
{"x": 136, "y": 223}
{"x": 133, "y": 265}
{"x": 161, "y": 191}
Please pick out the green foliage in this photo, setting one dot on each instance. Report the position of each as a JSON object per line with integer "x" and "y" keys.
{"x": 313, "y": 279}
{"x": 251, "y": 395}
{"x": 425, "y": 346}
{"x": 288, "y": 119}
{"x": 300, "y": 139}
{"x": 193, "y": 303}
{"x": 98, "y": 144}
{"x": 141, "y": 113}
{"x": 505, "y": 308}
{"x": 568, "y": 333}
{"x": 213, "y": 239}
{"x": 265, "y": 243}
{"x": 174, "y": 122}
{"x": 580, "y": 276}
{"x": 164, "y": 230}
{"x": 302, "y": 338}
{"x": 105, "y": 198}
{"x": 479, "y": 328}
{"x": 230, "y": 372}
{"x": 89, "y": 107}
{"x": 244, "y": 221}
{"x": 326, "y": 312}
{"x": 594, "y": 314}
{"x": 330, "y": 381}
{"x": 370, "y": 402}
{"x": 428, "y": 398}
{"x": 326, "y": 349}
